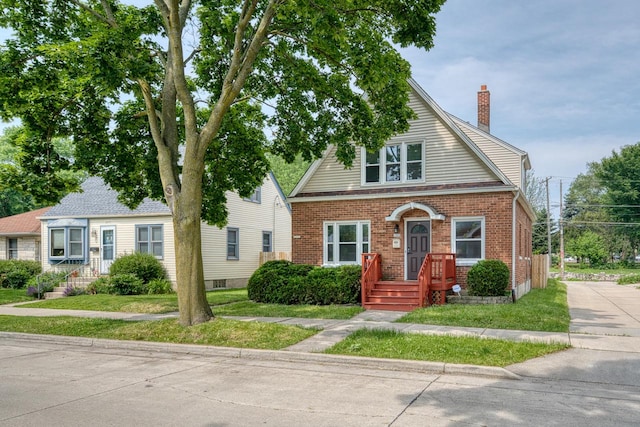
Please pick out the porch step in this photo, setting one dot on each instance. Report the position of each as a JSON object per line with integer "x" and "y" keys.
{"x": 76, "y": 282}
{"x": 393, "y": 295}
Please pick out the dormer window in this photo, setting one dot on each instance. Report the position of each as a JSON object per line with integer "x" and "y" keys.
{"x": 395, "y": 163}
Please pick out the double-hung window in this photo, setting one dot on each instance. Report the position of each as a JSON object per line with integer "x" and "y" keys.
{"x": 12, "y": 248}
{"x": 150, "y": 239}
{"x": 267, "y": 243}
{"x": 345, "y": 242}
{"x": 233, "y": 243}
{"x": 394, "y": 163}
{"x": 467, "y": 239}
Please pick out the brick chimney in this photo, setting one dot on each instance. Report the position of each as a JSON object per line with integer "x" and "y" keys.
{"x": 484, "y": 108}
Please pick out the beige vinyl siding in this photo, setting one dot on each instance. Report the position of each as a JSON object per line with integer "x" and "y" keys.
{"x": 448, "y": 160}
{"x": 251, "y": 219}
{"x": 125, "y": 239}
{"x": 331, "y": 175}
{"x": 506, "y": 159}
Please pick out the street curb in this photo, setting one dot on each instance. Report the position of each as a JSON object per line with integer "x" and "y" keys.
{"x": 274, "y": 355}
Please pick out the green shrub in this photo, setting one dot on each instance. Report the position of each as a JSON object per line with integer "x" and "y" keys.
{"x": 16, "y": 279}
{"x": 126, "y": 284}
{"x": 15, "y": 273}
{"x": 282, "y": 282}
{"x": 269, "y": 282}
{"x": 159, "y": 286}
{"x": 50, "y": 279}
{"x": 32, "y": 267}
{"x": 488, "y": 278}
{"x": 144, "y": 266}
{"x": 99, "y": 286}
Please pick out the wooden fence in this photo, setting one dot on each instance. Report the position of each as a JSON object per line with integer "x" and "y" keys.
{"x": 272, "y": 256}
{"x": 539, "y": 271}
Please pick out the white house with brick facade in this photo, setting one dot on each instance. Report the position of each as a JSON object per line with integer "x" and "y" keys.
{"x": 444, "y": 186}
{"x": 92, "y": 228}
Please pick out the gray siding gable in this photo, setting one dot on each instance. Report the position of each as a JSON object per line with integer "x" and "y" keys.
{"x": 98, "y": 199}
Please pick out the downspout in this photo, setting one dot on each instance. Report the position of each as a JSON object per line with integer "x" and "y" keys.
{"x": 513, "y": 246}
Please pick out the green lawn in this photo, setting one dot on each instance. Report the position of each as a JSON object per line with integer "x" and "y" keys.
{"x": 539, "y": 310}
{"x": 439, "y": 348}
{"x": 136, "y": 303}
{"x": 542, "y": 309}
{"x": 251, "y": 308}
{"x": 219, "y": 332}
{"x": 8, "y": 296}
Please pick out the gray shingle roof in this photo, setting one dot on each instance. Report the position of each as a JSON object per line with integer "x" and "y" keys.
{"x": 98, "y": 199}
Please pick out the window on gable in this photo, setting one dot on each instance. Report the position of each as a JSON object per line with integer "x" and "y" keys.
{"x": 150, "y": 239}
{"x": 256, "y": 197}
{"x": 345, "y": 242}
{"x": 394, "y": 164}
{"x": 468, "y": 239}
{"x": 12, "y": 248}
{"x": 67, "y": 243}
{"x": 233, "y": 243}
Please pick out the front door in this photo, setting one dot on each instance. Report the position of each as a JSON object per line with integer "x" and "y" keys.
{"x": 418, "y": 246}
{"x": 107, "y": 248}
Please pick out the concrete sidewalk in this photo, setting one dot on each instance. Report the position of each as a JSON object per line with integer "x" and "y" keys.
{"x": 605, "y": 318}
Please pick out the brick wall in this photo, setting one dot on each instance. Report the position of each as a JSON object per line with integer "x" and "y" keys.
{"x": 308, "y": 218}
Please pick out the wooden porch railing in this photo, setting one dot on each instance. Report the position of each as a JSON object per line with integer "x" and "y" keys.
{"x": 441, "y": 275}
{"x": 371, "y": 273}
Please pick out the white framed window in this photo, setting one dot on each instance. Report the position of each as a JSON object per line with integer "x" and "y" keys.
{"x": 150, "y": 239}
{"x": 233, "y": 243}
{"x": 394, "y": 163}
{"x": 67, "y": 243}
{"x": 467, "y": 239}
{"x": 12, "y": 248}
{"x": 345, "y": 242}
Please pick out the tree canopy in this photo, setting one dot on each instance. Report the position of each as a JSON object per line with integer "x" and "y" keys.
{"x": 181, "y": 100}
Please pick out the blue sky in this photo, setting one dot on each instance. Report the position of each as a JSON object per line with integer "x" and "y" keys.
{"x": 564, "y": 76}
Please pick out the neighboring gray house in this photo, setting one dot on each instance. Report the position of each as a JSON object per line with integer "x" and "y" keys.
{"x": 92, "y": 228}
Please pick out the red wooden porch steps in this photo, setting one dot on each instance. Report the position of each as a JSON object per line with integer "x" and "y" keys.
{"x": 393, "y": 295}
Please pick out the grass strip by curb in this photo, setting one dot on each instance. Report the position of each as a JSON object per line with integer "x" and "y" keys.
{"x": 440, "y": 348}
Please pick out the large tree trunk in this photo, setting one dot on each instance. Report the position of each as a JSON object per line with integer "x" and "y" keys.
{"x": 192, "y": 300}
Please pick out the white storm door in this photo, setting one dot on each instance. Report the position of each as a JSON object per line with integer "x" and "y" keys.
{"x": 107, "y": 248}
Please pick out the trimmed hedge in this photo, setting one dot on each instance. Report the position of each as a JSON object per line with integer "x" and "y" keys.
{"x": 488, "y": 278}
{"x": 283, "y": 282}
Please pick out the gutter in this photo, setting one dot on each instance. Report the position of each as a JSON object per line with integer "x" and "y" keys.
{"x": 513, "y": 246}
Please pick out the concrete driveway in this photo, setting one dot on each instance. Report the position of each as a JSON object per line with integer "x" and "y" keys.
{"x": 605, "y": 334}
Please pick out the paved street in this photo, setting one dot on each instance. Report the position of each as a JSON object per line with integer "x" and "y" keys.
{"x": 63, "y": 382}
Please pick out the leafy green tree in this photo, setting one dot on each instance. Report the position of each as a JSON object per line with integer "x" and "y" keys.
{"x": 166, "y": 100}
{"x": 21, "y": 189}
{"x": 619, "y": 175}
{"x": 589, "y": 246}
{"x": 288, "y": 174}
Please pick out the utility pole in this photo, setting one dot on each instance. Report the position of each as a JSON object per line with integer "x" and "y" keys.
{"x": 561, "y": 237}
{"x": 548, "y": 221}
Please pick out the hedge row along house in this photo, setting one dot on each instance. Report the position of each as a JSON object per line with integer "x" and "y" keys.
{"x": 443, "y": 187}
